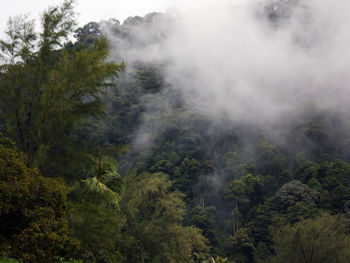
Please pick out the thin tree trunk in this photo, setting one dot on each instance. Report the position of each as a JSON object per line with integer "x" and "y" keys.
{"x": 20, "y": 130}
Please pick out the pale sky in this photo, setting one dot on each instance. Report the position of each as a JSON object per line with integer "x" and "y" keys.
{"x": 89, "y": 10}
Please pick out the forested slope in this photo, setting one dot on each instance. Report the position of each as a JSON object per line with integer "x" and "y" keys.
{"x": 104, "y": 159}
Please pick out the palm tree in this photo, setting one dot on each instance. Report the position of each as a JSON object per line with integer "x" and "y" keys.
{"x": 104, "y": 187}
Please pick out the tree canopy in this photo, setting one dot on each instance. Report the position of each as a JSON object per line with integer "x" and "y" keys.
{"x": 33, "y": 226}
{"x": 46, "y": 86}
{"x": 323, "y": 239}
{"x": 140, "y": 174}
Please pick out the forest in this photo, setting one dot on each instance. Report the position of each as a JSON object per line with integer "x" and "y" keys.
{"x": 111, "y": 151}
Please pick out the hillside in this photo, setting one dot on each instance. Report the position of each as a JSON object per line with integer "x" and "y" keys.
{"x": 169, "y": 138}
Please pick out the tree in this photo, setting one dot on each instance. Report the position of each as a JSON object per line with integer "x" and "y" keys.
{"x": 331, "y": 179}
{"x": 33, "y": 227}
{"x": 104, "y": 187}
{"x": 241, "y": 247}
{"x": 204, "y": 218}
{"x": 323, "y": 239}
{"x": 186, "y": 176}
{"x": 270, "y": 160}
{"x": 88, "y": 33}
{"x": 98, "y": 229}
{"x": 292, "y": 193}
{"x": 45, "y": 86}
{"x": 153, "y": 230}
{"x": 243, "y": 191}
{"x": 96, "y": 219}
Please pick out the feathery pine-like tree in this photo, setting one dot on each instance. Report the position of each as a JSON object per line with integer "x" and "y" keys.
{"x": 46, "y": 85}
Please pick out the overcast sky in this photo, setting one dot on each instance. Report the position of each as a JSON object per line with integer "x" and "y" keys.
{"x": 89, "y": 10}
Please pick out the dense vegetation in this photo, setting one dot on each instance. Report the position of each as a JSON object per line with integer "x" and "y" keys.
{"x": 106, "y": 162}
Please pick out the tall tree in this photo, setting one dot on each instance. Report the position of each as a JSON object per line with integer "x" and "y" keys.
{"x": 96, "y": 219}
{"x": 45, "y": 86}
{"x": 323, "y": 239}
{"x": 153, "y": 231}
{"x": 244, "y": 190}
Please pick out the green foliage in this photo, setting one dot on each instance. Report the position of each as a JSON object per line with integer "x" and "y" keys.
{"x": 88, "y": 33}
{"x": 104, "y": 188}
{"x": 195, "y": 178}
{"x": 291, "y": 193}
{"x": 186, "y": 176}
{"x": 270, "y": 160}
{"x": 98, "y": 229}
{"x": 245, "y": 189}
{"x": 293, "y": 202}
{"x": 8, "y": 260}
{"x": 32, "y": 212}
{"x": 315, "y": 184}
{"x": 241, "y": 246}
{"x": 96, "y": 219}
{"x": 205, "y": 259}
{"x": 150, "y": 78}
{"x": 61, "y": 260}
{"x": 49, "y": 88}
{"x": 323, "y": 239}
{"x": 331, "y": 179}
{"x": 313, "y": 134}
{"x": 204, "y": 219}
{"x": 153, "y": 230}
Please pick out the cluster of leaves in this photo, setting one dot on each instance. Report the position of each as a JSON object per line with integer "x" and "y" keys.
{"x": 323, "y": 239}
{"x": 32, "y": 211}
{"x": 47, "y": 88}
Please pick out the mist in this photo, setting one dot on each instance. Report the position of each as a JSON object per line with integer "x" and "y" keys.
{"x": 219, "y": 130}
{"x": 249, "y": 60}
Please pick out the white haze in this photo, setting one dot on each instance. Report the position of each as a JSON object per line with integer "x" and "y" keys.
{"x": 227, "y": 58}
